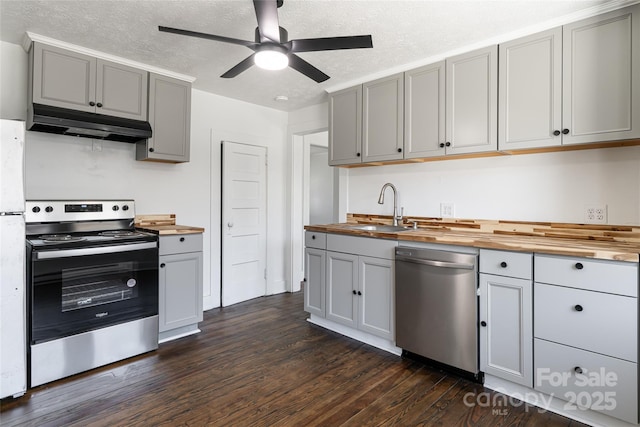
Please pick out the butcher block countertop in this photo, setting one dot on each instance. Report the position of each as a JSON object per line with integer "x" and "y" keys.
{"x": 164, "y": 225}
{"x": 609, "y": 242}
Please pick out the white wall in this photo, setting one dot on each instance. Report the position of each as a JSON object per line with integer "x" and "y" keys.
{"x": 69, "y": 168}
{"x": 13, "y": 81}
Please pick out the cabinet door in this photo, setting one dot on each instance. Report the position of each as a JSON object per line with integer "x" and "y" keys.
{"x": 530, "y": 93}
{"x": 506, "y": 336}
{"x": 472, "y": 101}
{"x": 345, "y": 126}
{"x": 63, "y": 79}
{"x": 601, "y": 78}
{"x": 342, "y": 285}
{"x": 375, "y": 297}
{"x": 314, "y": 286}
{"x": 424, "y": 111}
{"x": 170, "y": 119}
{"x": 180, "y": 281}
{"x": 382, "y": 116}
{"x": 121, "y": 90}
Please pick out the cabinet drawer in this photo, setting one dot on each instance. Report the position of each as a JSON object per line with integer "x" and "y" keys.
{"x": 613, "y": 277}
{"x": 594, "y": 321}
{"x": 316, "y": 240}
{"x": 377, "y": 248}
{"x": 180, "y": 244}
{"x": 503, "y": 263}
{"x": 614, "y": 392}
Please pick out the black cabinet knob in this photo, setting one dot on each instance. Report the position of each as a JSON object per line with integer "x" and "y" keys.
{"x": 357, "y": 154}
{"x": 399, "y": 150}
{"x": 115, "y": 207}
{"x": 354, "y": 292}
{"x": 35, "y": 209}
{"x": 162, "y": 265}
{"x": 483, "y": 323}
{"x": 304, "y": 280}
{"x": 359, "y": 293}
{"x": 151, "y": 150}
{"x": 182, "y": 239}
{"x": 503, "y": 264}
{"x": 93, "y": 104}
{"x": 125, "y": 207}
{"x": 579, "y": 266}
{"x": 556, "y": 132}
{"x": 313, "y": 237}
{"x": 578, "y": 307}
{"x": 565, "y": 131}
{"x": 448, "y": 144}
{"x": 48, "y": 209}
{"x": 99, "y": 105}
{"x": 577, "y": 370}
{"x": 441, "y": 145}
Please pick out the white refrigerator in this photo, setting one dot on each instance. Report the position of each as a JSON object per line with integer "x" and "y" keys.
{"x": 13, "y": 347}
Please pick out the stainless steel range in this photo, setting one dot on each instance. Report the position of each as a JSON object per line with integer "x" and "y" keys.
{"x": 92, "y": 286}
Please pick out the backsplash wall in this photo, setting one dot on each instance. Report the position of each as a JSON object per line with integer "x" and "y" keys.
{"x": 532, "y": 187}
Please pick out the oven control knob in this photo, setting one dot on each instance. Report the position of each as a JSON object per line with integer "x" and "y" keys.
{"x": 115, "y": 207}
{"x": 36, "y": 209}
{"x": 131, "y": 283}
{"x": 125, "y": 207}
{"x": 48, "y": 209}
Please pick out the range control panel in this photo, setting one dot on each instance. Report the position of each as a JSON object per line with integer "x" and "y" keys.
{"x": 78, "y": 210}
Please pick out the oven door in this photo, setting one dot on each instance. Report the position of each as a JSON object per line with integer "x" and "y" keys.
{"x": 82, "y": 289}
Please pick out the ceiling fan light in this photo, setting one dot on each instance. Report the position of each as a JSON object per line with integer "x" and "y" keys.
{"x": 271, "y": 59}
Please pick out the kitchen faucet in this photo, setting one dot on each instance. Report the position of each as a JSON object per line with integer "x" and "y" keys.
{"x": 396, "y": 217}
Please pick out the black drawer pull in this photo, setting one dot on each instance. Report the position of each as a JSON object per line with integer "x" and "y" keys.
{"x": 182, "y": 239}
{"x": 483, "y": 323}
{"x": 503, "y": 264}
{"x": 578, "y": 307}
{"x": 313, "y": 237}
{"x": 577, "y": 370}
{"x": 579, "y": 266}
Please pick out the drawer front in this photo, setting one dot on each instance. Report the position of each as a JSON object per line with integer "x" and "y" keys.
{"x": 180, "y": 244}
{"x": 314, "y": 239}
{"x": 614, "y": 277}
{"x": 594, "y": 321}
{"x": 607, "y": 384}
{"x": 377, "y": 248}
{"x": 503, "y": 263}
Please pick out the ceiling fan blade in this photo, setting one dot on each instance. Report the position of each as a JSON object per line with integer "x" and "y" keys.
{"x": 307, "y": 69}
{"x": 246, "y": 43}
{"x": 267, "y": 15}
{"x": 242, "y": 66}
{"x": 330, "y": 43}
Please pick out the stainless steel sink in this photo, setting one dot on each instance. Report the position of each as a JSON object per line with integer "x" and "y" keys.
{"x": 380, "y": 228}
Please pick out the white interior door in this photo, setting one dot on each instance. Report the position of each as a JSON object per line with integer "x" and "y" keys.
{"x": 244, "y": 222}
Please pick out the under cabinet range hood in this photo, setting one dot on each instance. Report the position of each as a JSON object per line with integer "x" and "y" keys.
{"x": 44, "y": 118}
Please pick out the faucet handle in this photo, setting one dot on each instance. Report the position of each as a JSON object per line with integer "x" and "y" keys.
{"x": 399, "y": 217}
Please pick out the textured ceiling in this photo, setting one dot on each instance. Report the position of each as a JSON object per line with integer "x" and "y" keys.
{"x": 403, "y": 32}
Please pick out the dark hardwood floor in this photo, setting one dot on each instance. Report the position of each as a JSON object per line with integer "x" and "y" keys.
{"x": 260, "y": 363}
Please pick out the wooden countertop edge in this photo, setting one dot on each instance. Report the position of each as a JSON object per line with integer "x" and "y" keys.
{"x": 617, "y": 251}
{"x": 165, "y": 230}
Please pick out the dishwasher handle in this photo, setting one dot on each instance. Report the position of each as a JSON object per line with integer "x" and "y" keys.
{"x": 434, "y": 263}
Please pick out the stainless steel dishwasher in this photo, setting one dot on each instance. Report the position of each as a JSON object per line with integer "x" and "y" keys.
{"x": 437, "y": 306}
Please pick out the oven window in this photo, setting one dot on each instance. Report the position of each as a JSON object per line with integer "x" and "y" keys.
{"x": 88, "y": 287}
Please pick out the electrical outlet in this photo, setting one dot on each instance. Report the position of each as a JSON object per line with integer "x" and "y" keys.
{"x": 447, "y": 210}
{"x": 96, "y": 145}
{"x": 595, "y": 214}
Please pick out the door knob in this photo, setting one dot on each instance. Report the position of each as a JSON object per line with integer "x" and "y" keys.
{"x": 230, "y": 224}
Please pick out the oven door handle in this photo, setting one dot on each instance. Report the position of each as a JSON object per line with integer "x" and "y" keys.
{"x": 67, "y": 253}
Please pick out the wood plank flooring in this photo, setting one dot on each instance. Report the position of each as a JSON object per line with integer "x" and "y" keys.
{"x": 260, "y": 363}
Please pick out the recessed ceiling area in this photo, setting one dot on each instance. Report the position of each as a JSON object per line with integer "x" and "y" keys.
{"x": 404, "y": 34}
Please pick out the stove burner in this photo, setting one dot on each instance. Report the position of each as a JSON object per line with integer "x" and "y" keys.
{"x": 119, "y": 233}
{"x": 54, "y": 238}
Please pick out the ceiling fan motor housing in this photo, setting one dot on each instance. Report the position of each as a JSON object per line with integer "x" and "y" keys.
{"x": 284, "y": 36}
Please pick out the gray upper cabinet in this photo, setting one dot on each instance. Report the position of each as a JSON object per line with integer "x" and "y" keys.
{"x": 601, "y": 75}
{"x": 68, "y": 79}
{"x": 345, "y": 126}
{"x": 170, "y": 119}
{"x": 382, "y": 117}
{"x": 424, "y": 111}
{"x": 530, "y": 92}
{"x": 472, "y": 102}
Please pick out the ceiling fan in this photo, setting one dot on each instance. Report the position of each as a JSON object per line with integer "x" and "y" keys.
{"x": 272, "y": 48}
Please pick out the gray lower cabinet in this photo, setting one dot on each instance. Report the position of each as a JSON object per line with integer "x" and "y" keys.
{"x": 506, "y": 315}
{"x": 586, "y": 333}
{"x": 314, "y": 287}
{"x": 472, "y": 102}
{"x": 68, "y": 79}
{"x": 180, "y": 281}
{"x": 170, "y": 119}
